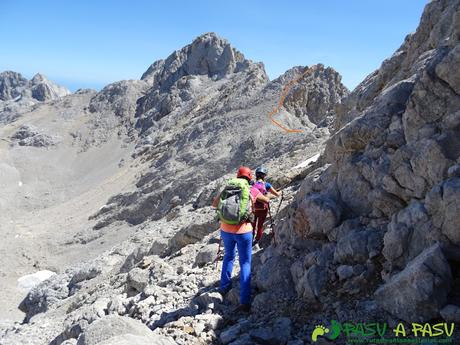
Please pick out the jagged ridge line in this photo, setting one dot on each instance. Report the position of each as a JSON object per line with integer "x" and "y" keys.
{"x": 284, "y": 93}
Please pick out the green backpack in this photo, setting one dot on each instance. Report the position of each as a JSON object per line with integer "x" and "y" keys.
{"x": 235, "y": 202}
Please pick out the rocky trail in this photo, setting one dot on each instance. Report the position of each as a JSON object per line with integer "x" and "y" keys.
{"x": 111, "y": 190}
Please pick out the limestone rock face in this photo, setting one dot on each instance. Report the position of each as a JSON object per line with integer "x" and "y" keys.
{"x": 43, "y": 89}
{"x": 316, "y": 94}
{"x": 443, "y": 205}
{"x": 11, "y": 85}
{"x": 434, "y": 40}
{"x": 177, "y": 80}
{"x": 368, "y": 230}
{"x": 207, "y": 55}
{"x": 420, "y": 290}
{"x": 391, "y": 168}
{"x": 119, "y": 97}
{"x": 409, "y": 233}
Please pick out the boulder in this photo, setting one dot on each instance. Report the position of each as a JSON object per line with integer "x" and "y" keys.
{"x": 262, "y": 303}
{"x": 444, "y": 71}
{"x": 451, "y": 313}
{"x": 358, "y": 246}
{"x": 310, "y": 285}
{"x": 410, "y": 231}
{"x": 29, "y": 281}
{"x": 207, "y": 254}
{"x": 191, "y": 234}
{"x": 208, "y": 298}
{"x": 263, "y": 335}
{"x": 316, "y": 215}
{"x": 230, "y": 334}
{"x": 84, "y": 272}
{"x": 138, "y": 279}
{"x": 211, "y": 321}
{"x": 344, "y": 272}
{"x": 45, "y": 295}
{"x": 233, "y": 296}
{"x": 282, "y": 328}
{"x": 273, "y": 275}
{"x": 278, "y": 333}
{"x": 417, "y": 293}
{"x": 443, "y": 203}
{"x": 354, "y": 189}
{"x": 113, "y": 328}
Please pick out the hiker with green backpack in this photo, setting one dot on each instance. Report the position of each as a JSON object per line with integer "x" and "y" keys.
{"x": 235, "y": 210}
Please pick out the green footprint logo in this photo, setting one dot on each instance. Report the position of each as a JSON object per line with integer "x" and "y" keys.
{"x": 319, "y": 330}
{"x": 335, "y": 330}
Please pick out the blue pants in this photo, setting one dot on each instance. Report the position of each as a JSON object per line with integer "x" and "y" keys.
{"x": 244, "y": 244}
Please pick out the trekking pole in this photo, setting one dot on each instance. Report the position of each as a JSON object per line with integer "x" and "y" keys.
{"x": 271, "y": 221}
{"x": 216, "y": 260}
{"x": 279, "y": 205}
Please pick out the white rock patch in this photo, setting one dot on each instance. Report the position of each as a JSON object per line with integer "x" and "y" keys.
{"x": 28, "y": 281}
{"x": 308, "y": 161}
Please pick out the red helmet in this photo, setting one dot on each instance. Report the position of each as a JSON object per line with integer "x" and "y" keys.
{"x": 244, "y": 172}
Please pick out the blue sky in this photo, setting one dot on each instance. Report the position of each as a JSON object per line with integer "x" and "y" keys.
{"x": 84, "y": 43}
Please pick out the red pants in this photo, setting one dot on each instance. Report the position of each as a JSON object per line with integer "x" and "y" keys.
{"x": 258, "y": 224}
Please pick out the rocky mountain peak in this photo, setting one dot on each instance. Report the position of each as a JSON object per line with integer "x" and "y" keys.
{"x": 208, "y": 66}
{"x": 12, "y": 76}
{"x": 43, "y": 89}
{"x": 39, "y": 78}
{"x": 207, "y": 55}
{"x": 39, "y": 88}
{"x": 10, "y": 83}
{"x": 315, "y": 92}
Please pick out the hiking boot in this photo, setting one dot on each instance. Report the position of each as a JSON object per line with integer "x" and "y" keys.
{"x": 242, "y": 308}
{"x": 256, "y": 241}
{"x": 224, "y": 292}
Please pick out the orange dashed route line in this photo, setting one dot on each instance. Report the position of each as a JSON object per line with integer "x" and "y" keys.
{"x": 284, "y": 93}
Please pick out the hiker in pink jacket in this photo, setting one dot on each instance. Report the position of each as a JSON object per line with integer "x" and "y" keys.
{"x": 260, "y": 207}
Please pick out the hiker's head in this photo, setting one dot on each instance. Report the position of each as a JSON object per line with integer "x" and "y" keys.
{"x": 244, "y": 172}
{"x": 261, "y": 173}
